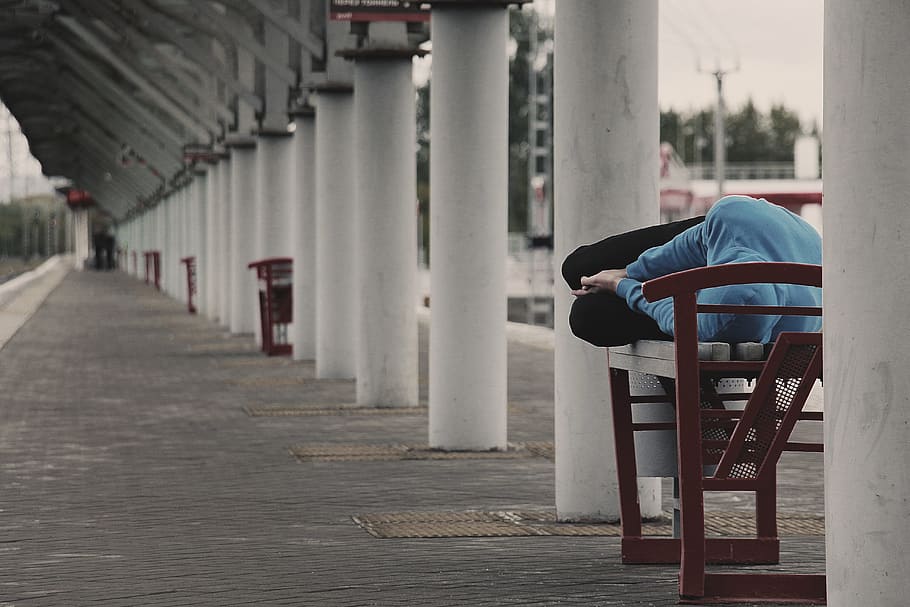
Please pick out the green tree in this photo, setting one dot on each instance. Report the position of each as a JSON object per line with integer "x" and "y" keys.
{"x": 520, "y": 24}
{"x": 10, "y": 230}
{"x": 423, "y": 165}
{"x": 747, "y": 135}
{"x": 784, "y": 128}
{"x": 751, "y": 136}
{"x": 673, "y": 130}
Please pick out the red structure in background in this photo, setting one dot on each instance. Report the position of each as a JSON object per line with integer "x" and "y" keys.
{"x": 275, "y": 303}
{"x": 681, "y": 196}
{"x": 153, "y": 267}
{"x": 190, "y": 263}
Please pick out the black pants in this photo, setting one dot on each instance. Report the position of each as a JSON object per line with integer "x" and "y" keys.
{"x": 604, "y": 319}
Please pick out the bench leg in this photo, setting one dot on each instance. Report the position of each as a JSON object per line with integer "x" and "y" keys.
{"x": 691, "y": 491}
{"x": 624, "y": 444}
{"x": 766, "y": 507}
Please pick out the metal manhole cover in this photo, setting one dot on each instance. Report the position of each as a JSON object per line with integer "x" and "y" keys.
{"x": 514, "y": 523}
{"x": 341, "y": 409}
{"x": 361, "y": 452}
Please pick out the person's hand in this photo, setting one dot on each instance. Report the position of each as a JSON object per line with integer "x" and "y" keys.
{"x": 605, "y": 280}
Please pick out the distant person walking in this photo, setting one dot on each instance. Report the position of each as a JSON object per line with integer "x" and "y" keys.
{"x": 98, "y": 243}
{"x": 109, "y": 251}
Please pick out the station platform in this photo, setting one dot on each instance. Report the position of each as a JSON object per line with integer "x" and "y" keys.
{"x": 147, "y": 457}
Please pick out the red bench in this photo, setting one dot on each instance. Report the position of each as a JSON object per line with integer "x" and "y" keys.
{"x": 153, "y": 268}
{"x": 720, "y": 448}
{"x": 190, "y": 263}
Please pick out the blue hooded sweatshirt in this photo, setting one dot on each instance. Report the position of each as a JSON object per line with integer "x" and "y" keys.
{"x": 737, "y": 229}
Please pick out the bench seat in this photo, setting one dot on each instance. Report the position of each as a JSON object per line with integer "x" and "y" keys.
{"x": 658, "y": 357}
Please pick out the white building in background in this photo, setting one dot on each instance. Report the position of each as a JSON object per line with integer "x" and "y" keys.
{"x": 20, "y": 172}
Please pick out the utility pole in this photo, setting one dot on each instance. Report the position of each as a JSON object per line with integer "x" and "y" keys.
{"x": 720, "y": 150}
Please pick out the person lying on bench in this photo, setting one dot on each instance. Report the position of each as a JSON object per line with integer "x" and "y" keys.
{"x": 606, "y": 276}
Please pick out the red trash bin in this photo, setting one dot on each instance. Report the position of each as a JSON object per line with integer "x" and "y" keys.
{"x": 190, "y": 263}
{"x": 153, "y": 267}
{"x": 275, "y": 304}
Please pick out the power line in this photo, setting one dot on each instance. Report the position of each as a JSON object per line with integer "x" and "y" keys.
{"x": 731, "y": 43}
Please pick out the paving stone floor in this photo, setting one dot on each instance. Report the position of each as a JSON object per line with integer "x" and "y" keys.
{"x": 131, "y": 475}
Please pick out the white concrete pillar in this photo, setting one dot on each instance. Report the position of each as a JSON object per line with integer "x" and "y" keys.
{"x": 336, "y": 354}
{"x": 81, "y": 237}
{"x": 181, "y": 231}
{"x": 175, "y": 232}
{"x": 244, "y": 294}
{"x": 166, "y": 230}
{"x": 198, "y": 245}
{"x": 184, "y": 234}
{"x": 211, "y": 236}
{"x": 468, "y": 227}
{"x": 167, "y": 236}
{"x": 157, "y": 240}
{"x": 386, "y": 235}
{"x": 867, "y": 286}
{"x": 606, "y": 149}
{"x": 68, "y": 244}
{"x": 223, "y": 253}
{"x": 136, "y": 246}
{"x": 146, "y": 231}
{"x": 126, "y": 240}
{"x": 271, "y": 204}
{"x": 303, "y": 226}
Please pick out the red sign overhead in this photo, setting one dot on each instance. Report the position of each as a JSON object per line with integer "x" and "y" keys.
{"x": 77, "y": 198}
{"x": 378, "y": 10}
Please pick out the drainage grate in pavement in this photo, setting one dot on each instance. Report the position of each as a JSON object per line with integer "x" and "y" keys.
{"x": 258, "y": 361}
{"x": 222, "y": 346}
{"x": 331, "y": 409}
{"x": 513, "y": 523}
{"x": 336, "y": 452}
{"x": 543, "y": 449}
{"x": 277, "y": 381}
{"x": 288, "y": 381}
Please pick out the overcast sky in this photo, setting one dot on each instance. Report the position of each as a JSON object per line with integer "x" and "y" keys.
{"x": 772, "y": 49}
{"x": 777, "y": 45}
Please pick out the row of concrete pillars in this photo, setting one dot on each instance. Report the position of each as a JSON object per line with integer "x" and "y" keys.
{"x": 338, "y": 197}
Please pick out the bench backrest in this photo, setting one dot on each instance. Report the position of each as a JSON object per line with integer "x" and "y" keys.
{"x": 785, "y": 379}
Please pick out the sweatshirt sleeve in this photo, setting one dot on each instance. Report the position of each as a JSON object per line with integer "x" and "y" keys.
{"x": 661, "y": 311}
{"x": 685, "y": 251}
{"x": 714, "y": 327}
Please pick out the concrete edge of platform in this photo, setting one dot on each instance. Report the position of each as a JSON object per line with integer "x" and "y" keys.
{"x": 516, "y": 332}
{"x": 10, "y": 287}
{"x": 22, "y": 296}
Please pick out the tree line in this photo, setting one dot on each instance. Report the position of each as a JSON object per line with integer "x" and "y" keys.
{"x": 751, "y": 135}
{"x": 32, "y": 227}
